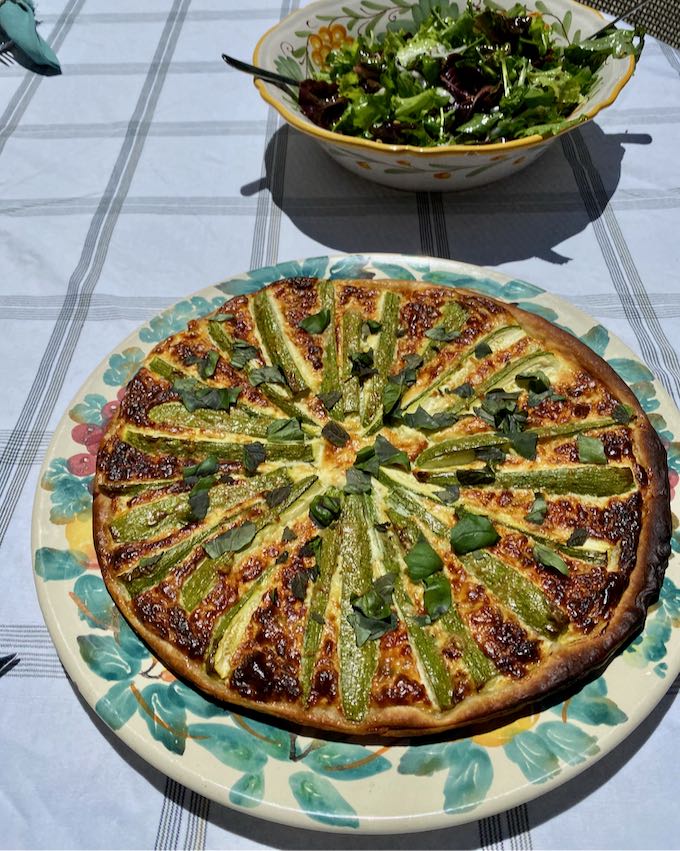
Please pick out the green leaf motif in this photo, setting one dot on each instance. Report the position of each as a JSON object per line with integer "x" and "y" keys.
{"x": 568, "y": 742}
{"x": 321, "y": 801}
{"x": 97, "y": 608}
{"x": 195, "y": 702}
{"x": 345, "y": 762}
{"x": 123, "y": 366}
{"x": 117, "y": 706}
{"x": 592, "y": 706}
{"x": 89, "y": 410}
{"x": 51, "y": 564}
{"x": 469, "y": 778}
{"x": 394, "y": 271}
{"x": 104, "y": 656}
{"x": 177, "y": 318}
{"x": 532, "y": 755}
{"x": 424, "y": 760}
{"x": 312, "y": 267}
{"x": 353, "y": 266}
{"x": 646, "y": 395}
{"x": 597, "y": 338}
{"x": 630, "y": 370}
{"x": 248, "y": 790}
{"x": 230, "y": 746}
{"x": 165, "y": 717}
{"x": 269, "y": 739}
{"x": 70, "y": 494}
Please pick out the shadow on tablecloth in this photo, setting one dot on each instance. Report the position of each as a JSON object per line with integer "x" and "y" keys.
{"x": 524, "y": 216}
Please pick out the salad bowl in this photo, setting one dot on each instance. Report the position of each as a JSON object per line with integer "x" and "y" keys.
{"x": 298, "y": 47}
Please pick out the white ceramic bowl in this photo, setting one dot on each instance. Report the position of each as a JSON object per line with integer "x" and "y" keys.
{"x": 298, "y": 45}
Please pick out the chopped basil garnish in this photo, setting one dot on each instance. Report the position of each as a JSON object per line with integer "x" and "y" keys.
{"x": 370, "y": 326}
{"x": 391, "y": 395}
{"x": 578, "y": 537}
{"x": 372, "y": 614}
{"x": 389, "y": 456}
{"x": 367, "y": 460}
{"x": 266, "y": 375}
{"x": 549, "y": 558}
{"x": 335, "y": 434}
{"x": 476, "y": 476}
{"x": 311, "y": 547}
{"x": 325, "y": 509}
{"x": 288, "y": 535}
{"x": 382, "y": 527}
{"x": 357, "y": 481}
{"x": 283, "y": 557}
{"x": 425, "y": 421}
{"x": 254, "y": 454}
{"x": 362, "y": 365}
{"x": 490, "y": 454}
{"x": 622, "y": 414}
{"x": 408, "y": 375}
{"x": 283, "y": 431}
{"x": 465, "y": 391}
{"x": 232, "y": 541}
{"x": 241, "y": 353}
{"x": 590, "y": 450}
{"x": 318, "y": 618}
{"x": 499, "y": 409}
{"x": 440, "y": 335}
{"x": 449, "y": 495}
{"x": 524, "y": 443}
{"x": 206, "y": 468}
{"x": 538, "y": 510}
{"x": 482, "y": 350}
{"x": 330, "y": 400}
{"x": 195, "y": 395}
{"x": 437, "y": 595}
{"x": 199, "y": 497}
{"x": 472, "y": 532}
{"x": 422, "y": 560}
{"x": 317, "y": 322}
{"x": 300, "y": 581}
{"x": 278, "y": 496}
{"x": 206, "y": 365}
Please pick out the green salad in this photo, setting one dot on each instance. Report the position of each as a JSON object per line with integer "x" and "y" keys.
{"x": 485, "y": 76}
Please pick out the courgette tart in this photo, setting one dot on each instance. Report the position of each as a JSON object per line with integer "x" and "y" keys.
{"x": 380, "y": 507}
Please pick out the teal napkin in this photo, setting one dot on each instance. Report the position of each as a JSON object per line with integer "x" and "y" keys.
{"x": 17, "y": 19}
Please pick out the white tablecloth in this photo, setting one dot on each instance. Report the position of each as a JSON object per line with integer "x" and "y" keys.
{"x": 149, "y": 170}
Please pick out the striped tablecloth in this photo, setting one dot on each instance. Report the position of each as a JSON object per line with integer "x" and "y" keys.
{"x": 149, "y": 170}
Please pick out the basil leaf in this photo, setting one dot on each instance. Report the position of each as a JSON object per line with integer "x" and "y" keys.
{"x": 325, "y": 509}
{"x": 465, "y": 391}
{"x": 578, "y": 537}
{"x": 475, "y": 476}
{"x": 299, "y": 583}
{"x": 335, "y": 434}
{"x": 389, "y": 456}
{"x": 317, "y": 322}
{"x": 490, "y": 454}
{"x": 472, "y": 532}
{"x": 482, "y": 350}
{"x": 199, "y": 498}
{"x": 232, "y": 541}
{"x": 318, "y": 618}
{"x": 266, "y": 375}
{"x": 330, "y": 400}
{"x": 368, "y": 628}
{"x": 288, "y": 535}
{"x": 549, "y": 558}
{"x": 195, "y": 395}
{"x": 535, "y": 382}
{"x": 283, "y": 557}
{"x": 357, "y": 481}
{"x": 499, "y": 409}
{"x": 408, "y": 375}
{"x": 274, "y": 596}
{"x": 437, "y": 595}
{"x": 590, "y": 450}
{"x": 441, "y": 335}
{"x": 391, "y": 395}
{"x": 206, "y": 468}
{"x": 448, "y": 496}
{"x": 376, "y": 602}
{"x": 425, "y": 421}
{"x": 422, "y": 560}
{"x": 254, "y": 454}
{"x": 362, "y": 365}
{"x": 367, "y": 460}
{"x": 283, "y": 431}
{"x": 241, "y": 353}
{"x": 206, "y": 365}
{"x": 278, "y": 495}
{"x": 622, "y": 414}
{"x": 370, "y": 326}
{"x": 535, "y": 399}
{"x": 524, "y": 443}
{"x": 382, "y": 527}
{"x": 538, "y": 510}
{"x": 311, "y": 547}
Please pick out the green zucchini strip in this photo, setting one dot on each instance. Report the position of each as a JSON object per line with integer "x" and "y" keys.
{"x": 237, "y": 421}
{"x": 351, "y": 344}
{"x": 275, "y": 342}
{"x": 453, "y": 318}
{"x": 330, "y": 382}
{"x": 383, "y": 360}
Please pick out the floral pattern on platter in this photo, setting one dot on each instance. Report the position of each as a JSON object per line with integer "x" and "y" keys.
{"x": 263, "y": 767}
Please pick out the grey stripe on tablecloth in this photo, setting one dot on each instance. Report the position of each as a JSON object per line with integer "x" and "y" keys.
{"x": 195, "y": 15}
{"x": 655, "y": 347}
{"x": 18, "y": 104}
{"x": 117, "y": 129}
{"x": 673, "y": 56}
{"x": 56, "y": 359}
{"x": 172, "y": 814}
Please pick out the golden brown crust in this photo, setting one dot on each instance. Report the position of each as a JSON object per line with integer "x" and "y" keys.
{"x": 563, "y": 665}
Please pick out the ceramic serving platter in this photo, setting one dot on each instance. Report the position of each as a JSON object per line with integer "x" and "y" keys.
{"x": 266, "y": 768}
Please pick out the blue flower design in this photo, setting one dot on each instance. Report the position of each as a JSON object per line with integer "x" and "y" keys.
{"x": 178, "y": 317}
{"x": 89, "y": 410}
{"x": 70, "y": 494}
{"x": 123, "y": 366}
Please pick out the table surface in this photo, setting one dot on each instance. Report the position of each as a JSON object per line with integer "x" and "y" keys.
{"x": 149, "y": 170}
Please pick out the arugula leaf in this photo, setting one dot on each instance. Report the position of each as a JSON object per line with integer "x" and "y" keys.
{"x": 254, "y": 454}
{"x": 335, "y": 434}
{"x": 437, "y": 595}
{"x": 195, "y": 395}
{"x": 357, "y": 481}
{"x": 549, "y": 558}
{"x": 232, "y": 541}
{"x": 317, "y": 322}
{"x": 325, "y": 509}
{"x": 266, "y": 375}
{"x": 538, "y": 510}
{"x": 422, "y": 559}
{"x": 241, "y": 353}
{"x": 284, "y": 431}
{"x": 278, "y": 496}
{"x": 590, "y": 450}
{"x": 331, "y": 399}
{"x": 425, "y": 421}
{"x": 472, "y": 532}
